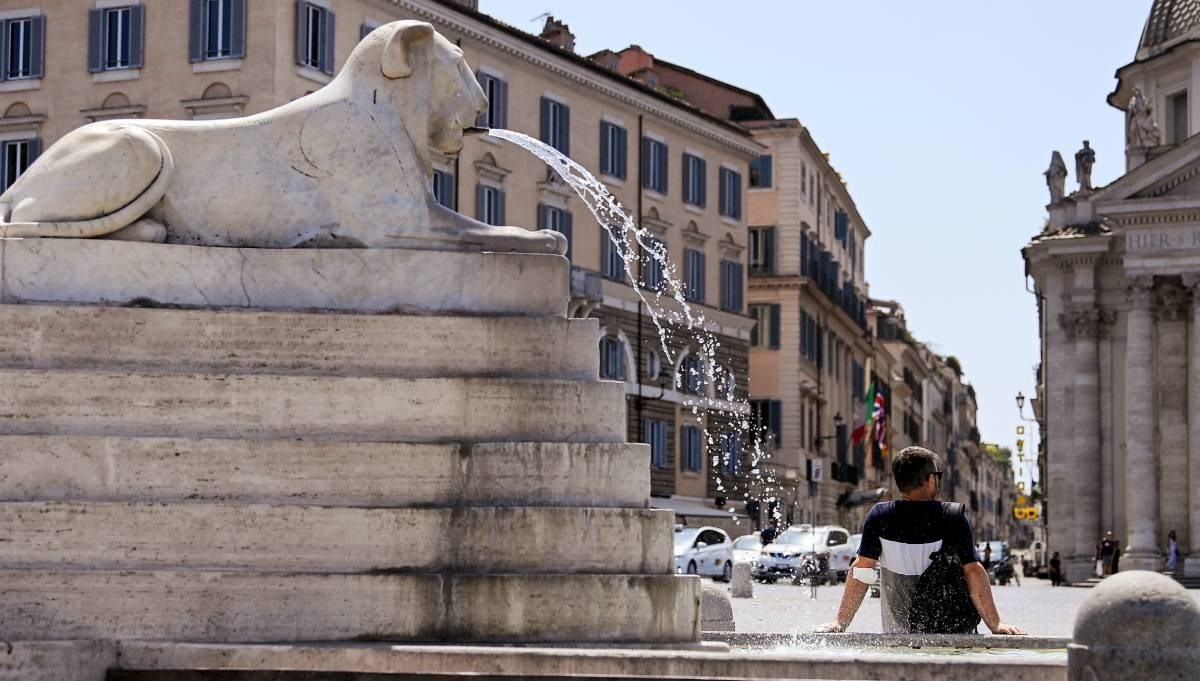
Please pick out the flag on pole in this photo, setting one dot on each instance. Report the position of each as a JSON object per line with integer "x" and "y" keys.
{"x": 863, "y": 426}
{"x": 879, "y": 416}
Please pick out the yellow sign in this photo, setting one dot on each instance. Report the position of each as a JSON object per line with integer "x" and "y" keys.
{"x": 1025, "y": 512}
{"x": 1021, "y": 500}
{"x": 1020, "y": 444}
{"x": 1020, "y": 430}
{"x": 1021, "y": 486}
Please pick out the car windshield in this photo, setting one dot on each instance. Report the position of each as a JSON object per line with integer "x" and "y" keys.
{"x": 684, "y": 538}
{"x": 747, "y": 543}
{"x": 798, "y": 540}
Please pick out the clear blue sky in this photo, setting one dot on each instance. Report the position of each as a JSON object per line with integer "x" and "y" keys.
{"x": 941, "y": 116}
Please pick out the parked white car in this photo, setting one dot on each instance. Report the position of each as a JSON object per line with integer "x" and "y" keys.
{"x": 782, "y": 557}
{"x": 746, "y": 548}
{"x": 841, "y": 557}
{"x": 704, "y": 551}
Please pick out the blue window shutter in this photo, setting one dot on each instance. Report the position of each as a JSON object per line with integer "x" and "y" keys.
{"x": 500, "y": 207}
{"x": 723, "y": 274}
{"x": 543, "y": 216}
{"x": 37, "y": 46}
{"x": 564, "y": 132}
{"x": 327, "y": 42}
{"x": 502, "y": 110}
{"x": 544, "y": 127}
{"x": 646, "y": 151}
{"x": 606, "y": 161}
{"x": 301, "y": 31}
{"x": 3, "y": 50}
{"x": 702, "y": 182}
{"x": 196, "y": 21}
{"x": 622, "y": 153}
{"x": 663, "y": 155}
{"x": 769, "y": 248}
{"x": 480, "y": 209}
{"x": 741, "y": 286}
{"x": 137, "y": 22}
{"x": 700, "y": 284}
{"x": 735, "y": 185}
{"x": 568, "y": 226}
{"x": 774, "y": 338}
{"x": 237, "y": 38}
{"x": 687, "y": 185}
{"x": 95, "y": 40}
{"x": 482, "y": 121}
{"x": 776, "y": 418}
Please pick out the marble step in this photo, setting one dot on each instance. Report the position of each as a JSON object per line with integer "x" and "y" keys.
{"x": 378, "y": 280}
{"x": 206, "y": 536}
{"x": 265, "y": 607}
{"x": 139, "y": 339}
{"x": 257, "y": 406}
{"x": 390, "y": 474}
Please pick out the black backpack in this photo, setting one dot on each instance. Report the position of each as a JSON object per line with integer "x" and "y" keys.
{"x": 941, "y": 602}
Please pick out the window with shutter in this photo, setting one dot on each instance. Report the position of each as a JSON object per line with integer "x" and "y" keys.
{"x": 443, "y": 189}
{"x": 22, "y": 52}
{"x": 612, "y": 359}
{"x": 612, "y": 150}
{"x": 773, "y": 340}
{"x": 612, "y": 262}
{"x": 496, "y": 90}
{"x": 731, "y": 285}
{"x": 314, "y": 36}
{"x": 730, "y": 193}
{"x": 761, "y": 331}
{"x": 694, "y": 171}
{"x": 556, "y": 124}
{"x": 731, "y": 453}
{"x": 693, "y": 262}
{"x": 691, "y": 378}
{"x": 17, "y": 155}
{"x": 654, "y": 433}
{"x": 762, "y": 250}
{"x": 489, "y": 204}
{"x": 654, "y": 165}
{"x": 691, "y": 448}
{"x": 652, "y": 264}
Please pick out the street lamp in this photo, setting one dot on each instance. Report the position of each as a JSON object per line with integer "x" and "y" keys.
{"x": 837, "y": 423}
{"x": 1021, "y": 408}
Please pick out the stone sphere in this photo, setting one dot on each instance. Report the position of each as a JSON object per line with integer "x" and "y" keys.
{"x": 1138, "y": 609}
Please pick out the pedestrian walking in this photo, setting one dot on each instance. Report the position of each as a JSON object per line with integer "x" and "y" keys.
{"x": 1106, "y": 549}
{"x": 1172, "y": 551}
{"x": 987, "y": 557}
{"x": 930, "y": 577}
{"x": 1055, "y": 570}
{"x": 767, "y": 535}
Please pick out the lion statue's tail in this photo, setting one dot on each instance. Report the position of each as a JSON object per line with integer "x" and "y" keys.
{"x": 105, "y": 224}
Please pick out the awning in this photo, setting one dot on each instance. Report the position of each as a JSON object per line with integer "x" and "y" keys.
{"x": 697, "y": 507}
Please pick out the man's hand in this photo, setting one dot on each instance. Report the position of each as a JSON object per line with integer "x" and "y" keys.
{"x": 834, "y": 627}
{"x": 1002, "y": 629}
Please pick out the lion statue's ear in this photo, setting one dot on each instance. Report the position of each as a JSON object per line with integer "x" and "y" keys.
{"x": 397, "y": 54}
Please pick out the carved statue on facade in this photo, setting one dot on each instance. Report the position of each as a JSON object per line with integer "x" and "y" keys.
{"x": 1085, "y": 158}
{"x": 346, "y": 166}
{"x": 1056, "y": 177}
{"x": 1143, "y": 132}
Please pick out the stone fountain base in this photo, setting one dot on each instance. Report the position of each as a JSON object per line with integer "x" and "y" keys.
{"x": 247, "y": 457}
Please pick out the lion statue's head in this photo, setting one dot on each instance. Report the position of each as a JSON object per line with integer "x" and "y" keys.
{"x": 426, "y": 79}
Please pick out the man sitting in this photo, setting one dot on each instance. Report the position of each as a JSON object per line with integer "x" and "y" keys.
{"x": 899, "y": 537}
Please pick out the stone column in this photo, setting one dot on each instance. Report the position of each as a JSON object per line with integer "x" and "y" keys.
{"x": 1171, "y": 370}
{"x": 1084, "y": 325}
{"x": 1141, "y": 467}
{"x": 1191, "y": 564}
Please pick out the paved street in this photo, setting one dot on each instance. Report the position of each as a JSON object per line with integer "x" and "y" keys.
{"x": 780, "y": 608}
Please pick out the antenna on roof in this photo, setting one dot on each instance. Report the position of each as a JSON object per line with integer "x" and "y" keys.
{"x": 542, "y": 17}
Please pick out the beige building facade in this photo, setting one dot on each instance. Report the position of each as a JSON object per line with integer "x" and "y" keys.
{"x": 221, "y": 58}
{"x": 1117, "y": 271}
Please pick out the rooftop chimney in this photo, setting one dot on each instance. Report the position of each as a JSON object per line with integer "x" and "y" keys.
{"x": 558, "y": 33}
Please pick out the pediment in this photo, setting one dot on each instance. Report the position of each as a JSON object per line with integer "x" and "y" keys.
{"x": 1175, "y": 173}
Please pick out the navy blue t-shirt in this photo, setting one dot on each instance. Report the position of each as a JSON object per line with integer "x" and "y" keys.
{"x": 901, "y": 535}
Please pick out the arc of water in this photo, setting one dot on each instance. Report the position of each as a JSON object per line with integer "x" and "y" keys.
{"x": 620, "y": 227}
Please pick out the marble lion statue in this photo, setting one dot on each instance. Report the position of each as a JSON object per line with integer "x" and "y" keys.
{"x": 346, "y": 166}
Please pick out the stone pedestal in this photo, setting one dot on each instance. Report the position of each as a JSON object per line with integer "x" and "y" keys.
{"x": 247, "y": 457}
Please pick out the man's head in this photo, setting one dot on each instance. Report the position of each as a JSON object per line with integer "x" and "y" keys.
{"x": 1108, "y": 534}
{"x": 917, "y": 470}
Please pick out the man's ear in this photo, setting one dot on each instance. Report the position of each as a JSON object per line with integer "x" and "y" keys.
{"x": 397, "y": 61}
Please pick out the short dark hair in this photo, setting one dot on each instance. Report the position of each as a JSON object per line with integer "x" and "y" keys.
{"x": 913, "y": 466}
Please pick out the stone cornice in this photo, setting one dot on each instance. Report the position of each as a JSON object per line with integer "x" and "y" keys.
{"x": 561, "y": 68}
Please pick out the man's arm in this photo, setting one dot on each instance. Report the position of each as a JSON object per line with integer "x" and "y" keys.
{"x": 852, "y": 597}
{"x": 981, "y": 595}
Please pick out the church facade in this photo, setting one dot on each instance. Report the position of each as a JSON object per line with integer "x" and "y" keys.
{"x": 1117, "y": 279}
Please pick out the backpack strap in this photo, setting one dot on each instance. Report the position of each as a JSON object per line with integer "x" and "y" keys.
{"x": 950, "y": 510}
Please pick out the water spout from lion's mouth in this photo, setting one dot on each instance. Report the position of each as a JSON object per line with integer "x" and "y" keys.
{"x": 476, "y": 130}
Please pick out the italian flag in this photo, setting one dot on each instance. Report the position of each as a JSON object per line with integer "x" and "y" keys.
{"x": 863, "y": 426}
